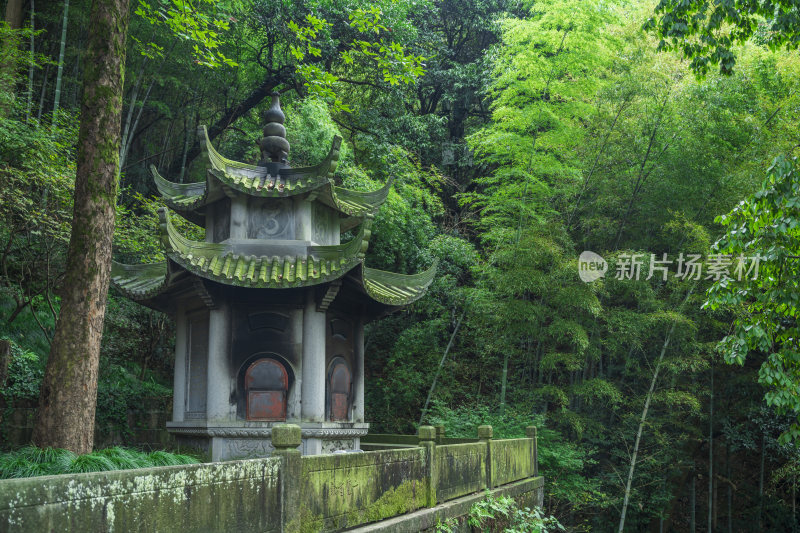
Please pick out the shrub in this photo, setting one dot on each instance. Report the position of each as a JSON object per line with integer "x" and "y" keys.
{"x": 31, "y": 461}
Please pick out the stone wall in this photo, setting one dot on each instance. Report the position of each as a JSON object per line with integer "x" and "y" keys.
{"x": 512, "y": 459}
{"x": 284, "y": 493}
{"x": 346, "y": 490}
{"x": 461, "y": 469}
{"x": 241, "y": 496}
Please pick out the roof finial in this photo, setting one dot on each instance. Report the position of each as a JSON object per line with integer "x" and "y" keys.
{"x": 274, "y": 145}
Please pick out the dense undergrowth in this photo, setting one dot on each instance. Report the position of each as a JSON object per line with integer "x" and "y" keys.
{"x": 31, "y": 461}
{"x": 502, "y": 514}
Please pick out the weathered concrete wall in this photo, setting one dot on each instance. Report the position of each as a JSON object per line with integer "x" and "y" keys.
{"x": 461, "y": 470}
{"x": 512, "y": 459}
{"x": 239, "y": 496}
{"x": 345, "y": 490}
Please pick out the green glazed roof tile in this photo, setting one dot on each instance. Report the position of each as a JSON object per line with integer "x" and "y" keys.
{"x": 217, "y": 262}
{"x": 139, "y": 282}
{"x": 395, "y": 289}
{"x": 256, "y": 181}
{"x": 186, "y": 198}
{"x": 220, "y": 262}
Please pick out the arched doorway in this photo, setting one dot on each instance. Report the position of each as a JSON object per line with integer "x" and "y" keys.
{"x": 340, "y": 381}
{"x": 266, "y": 384}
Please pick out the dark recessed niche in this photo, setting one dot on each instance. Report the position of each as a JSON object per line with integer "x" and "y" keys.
{"x": 268, "y": 320}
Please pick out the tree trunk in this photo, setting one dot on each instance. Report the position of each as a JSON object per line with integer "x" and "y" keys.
{"x": 69, "y": 389}
{"x": 42, "y": 92}
{"x": 711, "y": 452}
{"x": 30, "y": 66}
{"x": 441, "y": 364}
{"x": 14, "y": 12}
{"x": 730, "y": 487}
{"x": 794, "y": 503}
{"x": 8, "y": 48}
{"x": 693, "y": 505}
{"x": 644, "y": 418}
{"x": 57, "y": 97}
{"x": 127, "y": 140}
{"x": 761, "y": 480}
{"x": 5, "y": 359}
{"x": 504, "y": 382}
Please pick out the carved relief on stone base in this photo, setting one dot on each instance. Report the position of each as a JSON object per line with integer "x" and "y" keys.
{"x": 330, "y": 446}
{"x": 246, "y": 448}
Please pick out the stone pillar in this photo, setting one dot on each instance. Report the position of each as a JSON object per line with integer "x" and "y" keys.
{"x": 485, "y": 435}
{"x": 302, "y": 219}
{"x": 313, "y": 386}
{"x": 218, "y": 387}
{"x": 286, "y": 438}
{"x": 427, "y": 439}
{"x": 210, "y": 222}
{"x": 358, "y": 374}
{"x": 179, "y": 383}
{"x": 531, "y": 433}
{"x": 239, "y": 217}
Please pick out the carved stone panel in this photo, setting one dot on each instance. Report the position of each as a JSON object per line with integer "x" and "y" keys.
{"x": 247, "y": 448}
{"x": 325, "y": 227}
{"x": 270, "y": 218}
{"x": 330, "y": 446}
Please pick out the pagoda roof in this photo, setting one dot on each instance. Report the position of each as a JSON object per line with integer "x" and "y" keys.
{"x": 219, "y": 262}
{"x": 225, "y": 176}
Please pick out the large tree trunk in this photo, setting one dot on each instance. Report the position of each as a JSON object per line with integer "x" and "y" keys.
{"x": 8, "y": 52}
{"x": 69, "y": 390}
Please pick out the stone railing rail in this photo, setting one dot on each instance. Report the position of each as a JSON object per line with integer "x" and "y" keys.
{"x": 287, "y": 492}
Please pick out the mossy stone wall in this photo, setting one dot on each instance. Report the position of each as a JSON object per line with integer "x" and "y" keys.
{"x": 346, "y": 490}
{"x": 287, "y": 492}
{"x": 461, "y": 469}
{"x": 512, "y": 459}
{"x": 241, "y": 496}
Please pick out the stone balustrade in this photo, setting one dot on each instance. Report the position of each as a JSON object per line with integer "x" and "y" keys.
{"x": 409, "y": 487}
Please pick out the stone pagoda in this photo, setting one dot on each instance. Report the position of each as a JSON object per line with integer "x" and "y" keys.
{"x": 270, "y": 308}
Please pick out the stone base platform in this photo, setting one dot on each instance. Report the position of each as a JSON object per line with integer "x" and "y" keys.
{"x": 250, "y": 440}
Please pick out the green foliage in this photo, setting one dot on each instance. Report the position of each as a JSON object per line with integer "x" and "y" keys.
{"x": 25, "y": 371}
{"x": 31, "y": 461}
{"x": 200, "y": 22}
{"x": 119, "y": 391}
{"x": 766, "y": 301}
{"x": 708, "y": 32}
{"x": 503, "y": 514}
{"x": 370, "y": 44}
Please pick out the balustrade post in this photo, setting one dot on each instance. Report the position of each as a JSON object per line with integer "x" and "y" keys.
{"x": 286, "y": 438}
{"x": 485, "y": 435}
{"x": 427, "y": 439}
{"x": 532, "y": 433}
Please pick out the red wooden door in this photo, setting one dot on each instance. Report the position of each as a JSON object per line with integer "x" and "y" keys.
{"x": 266, "y": 384}
{"x": 339, "y": 386}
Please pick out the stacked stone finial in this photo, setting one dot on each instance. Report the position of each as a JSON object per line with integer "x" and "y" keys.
{"x": 274, "y": 146}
